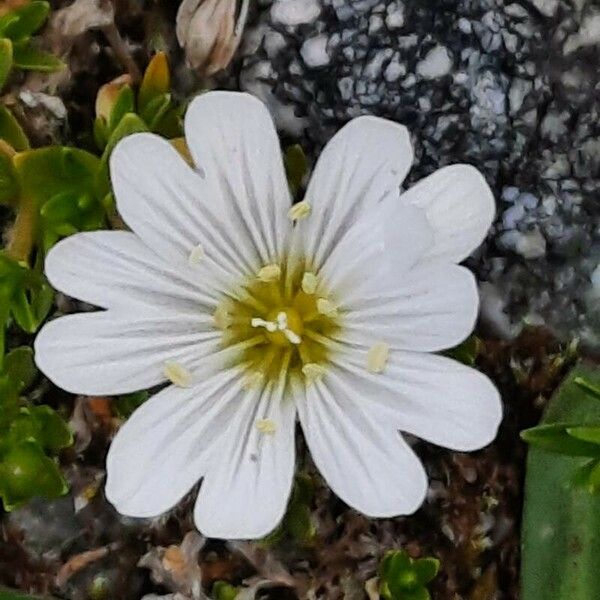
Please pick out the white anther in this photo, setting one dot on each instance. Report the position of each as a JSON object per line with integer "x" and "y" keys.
{"x": 270, "y": 326}
{"x": 309, "y": 283}
{"x": 299, "y": 211}
{"x": 377, "y": 357}
{"x": 327, "y": 307}
{"x": 196, "y": 255}
{"x": 177, "y": 374}
{"x": 266, "y": 426}
{"x": 269, "y": 273}
{"x": 292, "y": 337}
{"x": 313, "y": 371}
{"x": 222, "y": 318}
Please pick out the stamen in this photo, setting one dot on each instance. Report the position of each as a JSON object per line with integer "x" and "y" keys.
{"x": 254, "y": 379}
{"x": 269, "y": 273}
{"x": 196, "y": 255}
{"x": 177, "y": 374}
{"x": 327, "y": 307}
{"x": 309, "y": 283}
{"x": 222, "y": 318}
{"x": 292, "y": 336}
{"x": 282, "y": 321}
{"x": 299, "y": 211}
{"x": 377, "y": 357}
{"x": 313, "y": 371}
{"x": 267, "y": 426}
{"x": 268, "y": 325}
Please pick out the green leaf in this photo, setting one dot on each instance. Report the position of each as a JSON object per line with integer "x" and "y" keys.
{"x": 6, "y": 594}
{"x": 47, "y": 172}
{"x": 129, "y": 124}
{"x": 24, "y": 21}
{"x": 466, "y": 352}
{"x": 426, "y": 569}
{"x": 222, "y": 590}
{"x": 9, "y": 186}
{"x": 560, "y": 541}
{"x": 20, "y": 367}
{"x": 124, "y": 104}
{"x": 156, "y": 110}
{"x": 126, "y": 404}
{"x": 586, "y": 434}
{"x": 156, "y": 82}
{"x": 55, "y": 433}
{"x": 25, "y": 472}
{"x": 11, "y": 131}
{"x": 555, "y": 437}
{"x": 26, "y": 56}
{"x": 593, "y": 391}
{"x": 6, "y": 60}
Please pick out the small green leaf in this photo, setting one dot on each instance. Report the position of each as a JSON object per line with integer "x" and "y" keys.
{"x": 466, "y": 352}
{"x": 125, "y": 405}
{"x": 554, "y": 437}
{"x": 426, "y": 569}
{"x": 55, "y": 433}
{"x": 124, "y": 104}
{"x": 26, "y": 56}
{"x": 20, "y": 367}
{"x": 593, "y": 391}
{"x": 155, "y": 110}
{"x": 9, "y": 185}
{"x": 222, "y": 590}
{"x": 25, "y": 472}
{"x": 586, "y": 434}
{"x": 24, "y": 21}
{"x": 129, "y": 124}
{"x": 11, "y": 131}
{"x": 156, "y": 81}
{"x": 6, "y": 60}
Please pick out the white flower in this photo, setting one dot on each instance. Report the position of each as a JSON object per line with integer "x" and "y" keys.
{"x": 260, "y": 316}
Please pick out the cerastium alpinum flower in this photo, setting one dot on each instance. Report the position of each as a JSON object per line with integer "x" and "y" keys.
{"x": 259, "y": 313}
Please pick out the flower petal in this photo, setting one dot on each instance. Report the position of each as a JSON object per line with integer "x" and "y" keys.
{"x": 460, "y": 207}
{"x": 245, "y": 492}
{"x": 364, "y": 460}
{"x": 117, "y": 352}
{"x": 364, "y": 163}
{"x": 377, "y": 252}
{"x": 233, "y": 141}
{"x": 163, "y": 449}
{"x": 171, "y": 207}
{"x": 433, "y": 397}
{"x": 430, "y": 309}
{"x": 115, "y": 268}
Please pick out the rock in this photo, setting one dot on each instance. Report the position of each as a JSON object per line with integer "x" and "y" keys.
{"x": 546, "y": 7}
{"x": 314, "y": 52}
{"x": 437, "y": 63}
{"x": 295, "y": 12}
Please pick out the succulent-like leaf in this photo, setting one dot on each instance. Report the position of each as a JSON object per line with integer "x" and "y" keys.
{"x": 28, "y": 57}
{"x": 23, "y": 22}
{"x": 6, "y": 59}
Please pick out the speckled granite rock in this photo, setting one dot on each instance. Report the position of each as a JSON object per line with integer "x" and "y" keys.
{"x": 509, "y": 87}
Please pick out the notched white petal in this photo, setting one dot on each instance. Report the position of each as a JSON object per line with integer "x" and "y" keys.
{"x": 377, "y": 357}
{"x": 177, "y": 374}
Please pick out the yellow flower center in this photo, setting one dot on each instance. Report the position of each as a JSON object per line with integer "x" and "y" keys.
{"x": 274, "y": 325}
